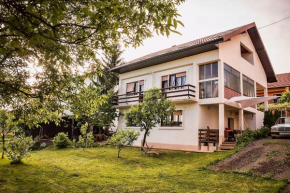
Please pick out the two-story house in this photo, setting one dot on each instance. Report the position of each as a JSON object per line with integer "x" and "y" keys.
{"x": 199, "y": 77}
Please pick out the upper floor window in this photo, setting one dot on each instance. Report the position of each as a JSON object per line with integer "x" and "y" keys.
{"x": 248, "y": 87}
{"x": 247, "y": 54}
{"x": 135, "y": 87}
{"x": 174, "y": 120}
{"x": 173, "y": 80}
{"x": 232, "y": 78}
{"x": 208, "y": 71}
{"x": 208, "y": 80}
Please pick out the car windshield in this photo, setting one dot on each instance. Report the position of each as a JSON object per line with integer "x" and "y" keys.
{"x": 283, "y": 120}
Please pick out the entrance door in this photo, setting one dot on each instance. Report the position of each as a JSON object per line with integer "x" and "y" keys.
{"x": 231, "y": 122}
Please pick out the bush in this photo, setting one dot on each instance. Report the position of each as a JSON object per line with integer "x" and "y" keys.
{"x": 248, "y": 136}
{"x": 37, "y": 144}
{"x": 86, "y": 143}
{"x": 61, "y": 140}
{"x": 18, "y": 148}
{"x": 123, "y": 138}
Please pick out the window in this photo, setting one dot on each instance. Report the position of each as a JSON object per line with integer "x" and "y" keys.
{"x": 135, "y": 87}
{"x": 232, "y": 78}
{"x": 174, "y": 80}
{"x": 277, "y": 99}
{"x": 174, "y": 120}
{"x": 247, "y": 54}
{"x": 208, "y": 88}
{"x": 208, "y": 71}
{"x": 248, "y": 87}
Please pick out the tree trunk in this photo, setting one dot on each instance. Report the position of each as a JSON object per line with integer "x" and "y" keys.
{"x": 3, "y": 144}
{"x": 119, "y": 153}
{"x": 144, "y": 138}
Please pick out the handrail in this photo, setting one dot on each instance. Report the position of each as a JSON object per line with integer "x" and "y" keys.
{"x": 185, "y": 90}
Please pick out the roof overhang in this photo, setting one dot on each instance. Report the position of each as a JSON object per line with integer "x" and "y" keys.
{"x": 182, "y": 53}
{"x": 208, "y": 46}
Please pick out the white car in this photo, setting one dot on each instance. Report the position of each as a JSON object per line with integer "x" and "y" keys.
{"x": 281, "y": 127}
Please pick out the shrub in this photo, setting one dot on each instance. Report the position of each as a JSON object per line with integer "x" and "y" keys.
{"x": 248, "y": 136}
{"x": 37, "y": 144}
{"x": 61, "y": 140}
{"x": 123, "y": 138}
{"x": 18, "y": 148}
{"x": 86, "y": 143}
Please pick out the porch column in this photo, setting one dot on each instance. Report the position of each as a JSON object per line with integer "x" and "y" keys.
{"x": 241, "y": 119}
{"x": 221, "y": 122}
{"x": 266, "y": 102}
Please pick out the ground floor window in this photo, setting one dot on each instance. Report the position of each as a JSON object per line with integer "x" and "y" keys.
{"x": 174, "y": 120}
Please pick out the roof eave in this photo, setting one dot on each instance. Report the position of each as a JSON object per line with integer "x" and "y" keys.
{"x": 167, "y": 57}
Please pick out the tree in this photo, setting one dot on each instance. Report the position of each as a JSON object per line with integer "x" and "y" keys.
{"x": 26, "y": 114}
{"x": 123, "y": 138}
{"x": 147, "y": 114}
{"x": 59, "y": 37}
{"x": 111, "y": 59}
{"x": 90, "y": 106}
{"x": 285, "y": 98}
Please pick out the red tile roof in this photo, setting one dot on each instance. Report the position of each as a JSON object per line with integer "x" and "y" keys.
{"x": 196, "y": 42}
{"x": 199, "y": 46}
{"x": 283, "y": 80}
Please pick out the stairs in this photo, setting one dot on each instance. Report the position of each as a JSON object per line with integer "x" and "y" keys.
{"x": 227, "y": 145}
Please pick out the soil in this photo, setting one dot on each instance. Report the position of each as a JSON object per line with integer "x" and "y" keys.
{"x": 262, "y": 157}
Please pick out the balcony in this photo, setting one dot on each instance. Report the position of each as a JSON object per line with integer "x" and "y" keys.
{"x": 176, "y": 93}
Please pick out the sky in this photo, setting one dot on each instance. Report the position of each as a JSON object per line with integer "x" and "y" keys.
{"x": 205, "y": 17}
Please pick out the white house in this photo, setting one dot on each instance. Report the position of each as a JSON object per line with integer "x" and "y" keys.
{"x": 199, "y": 77}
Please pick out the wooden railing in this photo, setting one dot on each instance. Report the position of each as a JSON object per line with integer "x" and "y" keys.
{"x": 208, "y": 136}
{"x": 169, "y": 92}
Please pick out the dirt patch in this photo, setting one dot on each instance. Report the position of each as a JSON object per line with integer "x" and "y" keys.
{"x": 263, "y": 157}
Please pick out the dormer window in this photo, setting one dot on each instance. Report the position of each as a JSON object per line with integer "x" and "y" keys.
{"x": 247, "y": 54}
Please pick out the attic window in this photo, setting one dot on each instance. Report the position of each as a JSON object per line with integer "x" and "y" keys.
{"x": 247, "y": 54}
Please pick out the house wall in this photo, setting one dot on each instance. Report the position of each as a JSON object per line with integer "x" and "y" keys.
{"x": 230, "y": 54}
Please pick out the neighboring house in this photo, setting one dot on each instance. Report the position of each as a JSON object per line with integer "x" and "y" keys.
{"x": 199, "y": 77}
{"x": 277, "y": 88}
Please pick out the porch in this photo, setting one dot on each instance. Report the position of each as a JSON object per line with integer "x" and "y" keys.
{"x": 223, "y": 123}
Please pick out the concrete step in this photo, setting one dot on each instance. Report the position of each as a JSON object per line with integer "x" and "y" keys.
{"x": 226, "y": 147}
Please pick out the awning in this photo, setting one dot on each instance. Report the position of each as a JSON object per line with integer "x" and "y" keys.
{"x": 243, "y": 101}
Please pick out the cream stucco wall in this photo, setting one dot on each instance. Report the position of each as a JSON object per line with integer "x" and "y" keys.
{"x": 229, "y": 53}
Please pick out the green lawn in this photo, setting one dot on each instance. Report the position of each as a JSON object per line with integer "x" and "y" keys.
{"x": 98, "y": 170}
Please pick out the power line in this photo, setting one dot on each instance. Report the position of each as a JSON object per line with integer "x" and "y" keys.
{"x": 275, "y": 22}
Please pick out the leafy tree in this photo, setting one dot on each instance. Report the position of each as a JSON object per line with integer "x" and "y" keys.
{"x": 147, "y": 114}
{"x": 285, "y": 98}
{"x": 111, "y": 59}
{"x": 90, "y": 106}
{"x": 123, "y": 138}
{"x": 17, "y": 148}
{"x": 25, "y": 114}
{"x": 59, "y": 37}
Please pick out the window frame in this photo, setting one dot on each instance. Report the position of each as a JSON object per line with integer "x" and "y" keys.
{"x": 213, "y": 80}
{"x": 231, "y": 74}
{"x": 172, "y": 120}
{"x": 246, "y": 84}
{"x": 140, "y": 87}
{"x": 175, "y": 81}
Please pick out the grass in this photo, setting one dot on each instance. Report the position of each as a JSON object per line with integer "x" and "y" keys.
{"x": 98, "y": 170}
